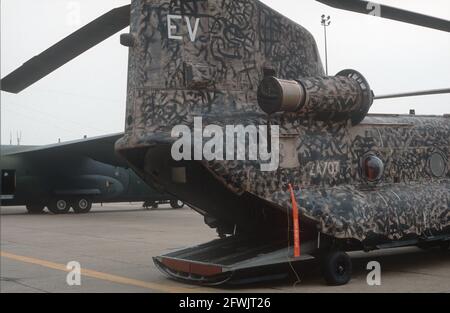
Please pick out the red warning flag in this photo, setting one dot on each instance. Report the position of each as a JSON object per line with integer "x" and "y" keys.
{"x": 295, "y": 218}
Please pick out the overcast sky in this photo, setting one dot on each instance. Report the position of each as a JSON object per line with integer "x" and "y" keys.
{"x": 87, "y": 95}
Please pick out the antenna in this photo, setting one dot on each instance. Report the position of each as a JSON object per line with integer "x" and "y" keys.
{"x": 326, "y": 21}
{"x": 19, "y": 137}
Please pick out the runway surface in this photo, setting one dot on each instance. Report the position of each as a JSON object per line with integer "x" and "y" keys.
{"x": 114, "y": 245}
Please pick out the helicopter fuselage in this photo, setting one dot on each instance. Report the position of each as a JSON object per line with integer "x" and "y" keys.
{"x": 174, "y": 80}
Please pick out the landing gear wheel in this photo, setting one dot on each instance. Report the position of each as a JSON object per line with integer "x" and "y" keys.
{"x": 176, "y": 204}
{"x": 82, "y": 206}
{"x": 336, "y": 268}
{"x": 35, "y": 208}
{"x": 150, "y": 205}
{"x": 60, "y": 206}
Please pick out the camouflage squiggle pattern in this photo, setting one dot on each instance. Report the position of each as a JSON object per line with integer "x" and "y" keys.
{"x": 216, "y": 77}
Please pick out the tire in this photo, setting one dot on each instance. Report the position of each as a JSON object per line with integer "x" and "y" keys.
{"x": 150, "y": 205}
{"x": 60, "y": 206}
{"x": 336, "y": 268}
{"x": 176, "y": 204}
{"x": 82, "y": 206}
{"x": 35, "y": 208}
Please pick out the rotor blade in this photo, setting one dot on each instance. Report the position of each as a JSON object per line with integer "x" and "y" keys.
{"x": 414, "y": 94}
{"x": 67, "y": 49}
{"x": 381, "y": 10}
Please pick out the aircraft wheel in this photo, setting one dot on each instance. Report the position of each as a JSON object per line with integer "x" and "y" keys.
{"x": 150, "y": 205}
{"x": 35, "y": 208}
{"x": 82, "y": 206}
{"x": 176, "y": 204}
{"x": 60, "y": 206}
{"x": 336, "y": 268}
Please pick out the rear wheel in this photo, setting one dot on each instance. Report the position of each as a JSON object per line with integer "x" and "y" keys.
{"x": 35, "y": 208}
{"x": 82, "y": 206}
{"x": 60, "y": 206}
{"x": 176, "y": 204}
{"x": 336, "y": 268}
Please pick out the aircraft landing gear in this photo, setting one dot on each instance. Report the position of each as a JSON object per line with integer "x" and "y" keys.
{"x": 153, "y": 205}
{"x": 150, "y": 205}
{"x": 336, "y": 268}
{"x": 35, "y": 208}
{"x": 176, "y": 204}
{"x": 60, "y": 206}
{"x": 82, "y": 206}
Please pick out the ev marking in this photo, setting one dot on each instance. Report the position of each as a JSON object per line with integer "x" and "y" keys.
{"x": 374, "y": 276}
{"x": 73, "y": 278}
{"x": 191, "y": 30}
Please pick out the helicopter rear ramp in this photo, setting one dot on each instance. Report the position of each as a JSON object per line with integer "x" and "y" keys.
{"x": 232, "y": 260}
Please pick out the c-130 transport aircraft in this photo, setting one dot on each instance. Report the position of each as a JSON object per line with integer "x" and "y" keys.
{"x": 359, "y": 181}
{"x": 71, "y": 175}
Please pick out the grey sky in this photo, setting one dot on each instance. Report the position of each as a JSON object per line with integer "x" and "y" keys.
{"x": 87, "y": 95}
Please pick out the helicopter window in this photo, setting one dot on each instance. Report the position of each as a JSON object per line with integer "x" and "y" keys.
{"x": 373, "y": 168}
{"x": 437, "y": 164}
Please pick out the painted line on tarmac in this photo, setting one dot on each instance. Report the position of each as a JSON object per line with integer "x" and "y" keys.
{"x": 101, "y": 276}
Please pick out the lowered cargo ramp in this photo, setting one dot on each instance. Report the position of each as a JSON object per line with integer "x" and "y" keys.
{"x": 232, "y": 260}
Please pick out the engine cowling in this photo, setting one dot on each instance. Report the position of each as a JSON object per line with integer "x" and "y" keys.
{"x": 346, "y": 96}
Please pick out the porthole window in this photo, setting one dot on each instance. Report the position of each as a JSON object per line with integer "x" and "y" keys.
{"x": 372, "y": 168}
{"x": 438, "y": 164}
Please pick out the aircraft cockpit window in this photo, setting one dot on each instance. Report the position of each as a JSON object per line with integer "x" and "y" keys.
{"x": 373, "y": 168}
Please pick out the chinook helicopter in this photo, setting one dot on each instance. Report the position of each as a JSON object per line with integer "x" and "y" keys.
{"x": 347, "y": 180}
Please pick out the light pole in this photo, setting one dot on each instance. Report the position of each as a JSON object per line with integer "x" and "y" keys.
{"x": 326, "y": 21}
